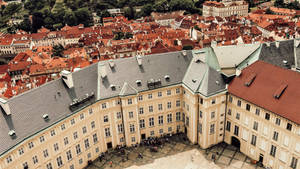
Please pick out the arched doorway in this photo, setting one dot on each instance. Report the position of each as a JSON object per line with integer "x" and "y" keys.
{"x": 235, "y": 142}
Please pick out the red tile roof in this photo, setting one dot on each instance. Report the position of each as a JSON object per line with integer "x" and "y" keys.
{"x": 270, "y": 81}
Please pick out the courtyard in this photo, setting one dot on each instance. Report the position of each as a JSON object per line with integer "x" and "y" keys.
{"x": 177, "y": 153}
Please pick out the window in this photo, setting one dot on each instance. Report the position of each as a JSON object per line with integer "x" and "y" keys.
{"x": 177, "y": 90}
{"x": 213, "y": 101}
{"x": 35, "y": 159}
{"x": 90, "y": 111}
{"x": 84, "y": 130}
{"x": 277, "y": 121}
{"x": 75, "y": 135}
{"x": 66, "y": 141}
{"x": 212, "y": 115}
{"x": 142, "y": 123}
{"x": 151, "y": 133}
{"x": 150, "y": 96}
{"x": 86, "y": 143}
{"x": 177, "y": 116}
{"x": 55, "y": 146}
{"x": 267, "y": 116}
{"x": 140, "y": 98}
{"x": 253, "y": 140}
{"x": 119, "y": 116}
{"x": 105, "y": 118}
{"x": 257, "y": 112}
{"x": 150, "y": 109}
{"x": 151, "y": 121}
{"x": 187, "y": 107}
{"x": 93, "y": 124}
{"x": 120, "y": 128}
{"x": 131, "y": 128}
{"x": 45, "y": 152}
{"x": 72, "y": 121}
{"x": 273, "y": 150}
{"x": 118, "y": 101}
{"x": 228, "y": 126}
{"x": 21, "y": 151}
{"x": 212, "y": 129}
{"x": 63, "y": 127}
{"x": 255, "y": 125}
{"x": 95, "y": 138}
{"x": 129, "y": 101}
{"x": 103, "y": 105}
{"x": 81, "y": 116}
{"x": 230, "y": 99}
{"x": 30, "y": 145}
{"x": 169, "y": 118}
{"x": 177, "y": 103}
{"x": 52, "y": 132}
{"x": 8, "y": 159}
{"x": 236, "y": 130}
{"x": 107, "y": 132}
{"x": 168, "y": 92}
{"x": 248, "y": 107}
{"x": 160, "y": 107}
{"x": 239, "y": 103}
{"x": 59, "y": 161}
{"x": 237, "y": 116}
{"x": 97, "y": 150}
{"x": 201, "y": 100}
{"x": 160, "y": 120}
{"x": 141, "y": 110}
{"x": 169, "y": 129}
{"x": 80, "y": 161}
{"x": 69, "y": 155}
{"x": 49, "y": 166}
{"x": 187, "y": 122}
{"x": 132, "y": 139}
{"x": 200, "y": 128}
{"x": 169, "y": 105}
{"x": 294, "y": 163}
{"x": 159, "y": 94}
{"x": 275, "y": 136}
{"x": 42, "y": 139}
{"x": 183, "y": 117}
{"x": 200, "y": 114}
{"x": 25, "y": 165}
{"x": 130, "y": 114}
{"x": 161, "y": 131}
{"x": 229, "y": 112}
{"x": 78, "y": 150}
{"x": 289, "y": 126}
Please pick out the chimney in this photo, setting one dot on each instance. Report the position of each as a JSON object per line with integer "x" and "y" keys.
{"x": 238, "y": 72}
{"x": 111, "y": 63}
{"x": 277, "y": 44}
{"x": 67, "y": 78}
{"x": 102, "y": 70}
{"x": 5, "y": 106}
{"x": 139, "y": 60}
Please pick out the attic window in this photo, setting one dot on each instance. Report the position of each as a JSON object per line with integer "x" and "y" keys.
{"x": 217, "y": 82}
{"x": 194, "y": 80}
{"x": 45, "y": 117}
{"x": 138, "y": 83}
{"x": 113, "y": 87}
{"x": 250, "y": 79}
{"x": 12, "y": 133}
{"x": 167, "y": 77}
{"x": 280, "y": 91}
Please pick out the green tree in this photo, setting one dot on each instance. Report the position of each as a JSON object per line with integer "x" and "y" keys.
{"x": 57, "y": 50}
{"x": 25, "y": 25}
{"x": 129, "y": 12}
{"x": 84, "y": 16}
{"x": 161, "y": 6}
{"x": 146, "y": 10}
{"x": 70, "y": 18}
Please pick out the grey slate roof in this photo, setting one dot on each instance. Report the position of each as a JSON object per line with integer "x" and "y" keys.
{"x": 276, "y": 55}
{"x": 54, "y": 98}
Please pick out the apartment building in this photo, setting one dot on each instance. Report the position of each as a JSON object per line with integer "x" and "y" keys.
{"x": 69, "y": 121}
{"x": 262, "y": 115}
{"x": 225, "y": 8}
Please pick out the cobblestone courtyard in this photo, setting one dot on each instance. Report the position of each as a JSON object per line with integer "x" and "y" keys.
{"x": 177, "y": 154}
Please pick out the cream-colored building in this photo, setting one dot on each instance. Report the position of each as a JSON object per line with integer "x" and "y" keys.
{"x": 69, "y": 121}
{"x": 225, "y": 8}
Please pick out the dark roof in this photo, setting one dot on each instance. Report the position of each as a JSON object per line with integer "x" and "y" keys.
{"x": 58, "y": 101}
{"x": 273, "y": 88}
{"x": 278, "y": 55}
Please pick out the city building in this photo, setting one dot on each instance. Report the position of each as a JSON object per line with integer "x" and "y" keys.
{"x": 123, "y": 101}
{"x": 225, "y": 8}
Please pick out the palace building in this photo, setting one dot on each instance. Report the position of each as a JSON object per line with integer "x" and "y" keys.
{"x": 225, "y": 8}
{"x": 71, "y": 120}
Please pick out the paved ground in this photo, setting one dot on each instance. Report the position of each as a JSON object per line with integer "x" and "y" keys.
{"x": 177, "y": 154}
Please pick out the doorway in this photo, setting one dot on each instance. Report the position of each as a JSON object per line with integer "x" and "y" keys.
{"x": 143, "y": 136}
{"x": 261, "y": 158}
{"x": 109, "y": 145}
{"x": 235, "y": 142}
